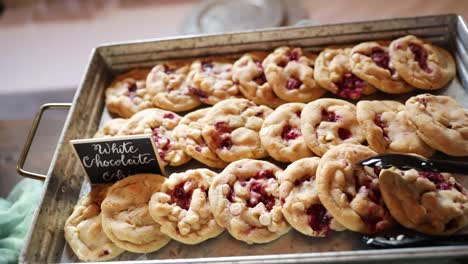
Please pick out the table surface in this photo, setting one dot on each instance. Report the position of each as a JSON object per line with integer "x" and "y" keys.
{"x": 56, "y": 71}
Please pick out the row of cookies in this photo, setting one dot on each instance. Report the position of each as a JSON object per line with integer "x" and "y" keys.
{"x": 285, "y": 75}
{"x": 238, "y": 128}
{"x": 424, "y": 124}
{"x": 141, "y": 213}
{"x": 257, "y": 202}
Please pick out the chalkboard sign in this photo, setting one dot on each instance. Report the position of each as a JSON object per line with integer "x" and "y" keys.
{"x": 107, "y": 160}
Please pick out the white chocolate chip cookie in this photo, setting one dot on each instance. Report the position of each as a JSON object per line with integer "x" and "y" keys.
{"x": 244, "y": 199}
{"x": 301, "y": 205}
{"x": 83, "y": 230}
{"x": 182, "y": 207}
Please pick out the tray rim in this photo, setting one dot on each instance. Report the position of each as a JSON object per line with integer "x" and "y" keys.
{"x": 334, "y": 256}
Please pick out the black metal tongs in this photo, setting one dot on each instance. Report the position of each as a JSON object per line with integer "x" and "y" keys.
{"x": 414, "y": 241}
{"x": 406, "y": 162}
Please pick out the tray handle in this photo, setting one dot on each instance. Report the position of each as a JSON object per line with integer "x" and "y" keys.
{"x": 29, "y": 139}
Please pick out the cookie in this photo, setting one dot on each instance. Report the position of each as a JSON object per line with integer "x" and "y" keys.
{"x": 329, "y": 122}
{"x": 350, "y": 192}
{"x": 182, "y": 207}
{"x": 249, "y": 73}
{"x": 370, "y": 61}
{"x": 388, "y": 130}
{"x": 83, "y": 230}
{"x": 301, "y": 205}
{"x": 111, "y": 128}
{"x": 232, "y": 127}
{"x": 333, "y": 72}
{"x": 210, "y": 80}
{"x": 244, "y": 199}
{"x": 290, "y": 72}
{"x": 441, "y": 122}
{"x": 160, "y": 124}
{"x": 428, "y": 202}
{"x": 127, "y": 94}
{"x": 189, "y": 134}
{"x": 125, "y": 216}
{"x": 168, "y": 86}
{"x": 422, "y": 64}
{"x": 281, "y": 134}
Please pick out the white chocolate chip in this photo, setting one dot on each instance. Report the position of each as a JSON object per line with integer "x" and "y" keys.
{"x": 265, "y": 219}
{"x": 329, "y": 136}
{"x": 235, "y": 209}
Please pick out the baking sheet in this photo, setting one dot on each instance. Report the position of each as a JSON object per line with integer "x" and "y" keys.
{"x": 66, "y": 181}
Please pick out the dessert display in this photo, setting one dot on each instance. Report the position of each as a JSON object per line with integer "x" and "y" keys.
{"x": 387, "y": 128}
{"x": 422, "y": 64}
{"x": 329, "y": 122}
{"x": 126, "y": 220}
{"x": 281, "y": 134}
{"x": 182, "y": 207}
{"x": 226, "y": 115}
{"x": 244, "y": 199}
{"x": 429, "y": 202}
{"x": 302, "y": 207}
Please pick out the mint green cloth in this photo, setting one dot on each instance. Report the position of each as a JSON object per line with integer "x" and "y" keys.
{"x": 16, "y": 214}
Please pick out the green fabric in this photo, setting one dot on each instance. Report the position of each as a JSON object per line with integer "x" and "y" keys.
{"x": 16, "y": 212}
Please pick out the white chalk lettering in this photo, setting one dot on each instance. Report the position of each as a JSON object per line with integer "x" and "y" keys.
{"x": 115, "y": 148}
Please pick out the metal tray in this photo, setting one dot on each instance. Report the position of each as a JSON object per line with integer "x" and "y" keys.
{"x": 65, "y": 179}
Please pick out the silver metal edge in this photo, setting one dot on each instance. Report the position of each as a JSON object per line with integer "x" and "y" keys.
{"x": 55, "y": 156}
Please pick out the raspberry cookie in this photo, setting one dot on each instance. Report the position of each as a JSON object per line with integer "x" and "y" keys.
{"x": 388, "y": 129}
{"x": 441, "y": 122}
{"x": 290, "y": 73}
{"x": 301, "y": 205}
{"x": 189, "y": 134}
{"x": 232, "y": 127}
{"x": 429, "y": 202}
{"x": 333, "y": 72}
{"x": 249, "y": 73}
{"x": 182, "y": 207}
{"x": 421, "y": 64}
{"x": 83, "y": 230}
{"x": 127, "y": 94}
{"x": 168, "y": 87}
{"x": 210, "y": 80}
{"x": 370, "y": 61}
{"x": 160, "y": 124}
{"x": 329, "y": 122}
{"x": 125, "y": 216}
{"x": 244, "y": 199}
{"x": 111, "y": 128}
{"x": 281, "y": 134}
{"x": 351, "y": 192}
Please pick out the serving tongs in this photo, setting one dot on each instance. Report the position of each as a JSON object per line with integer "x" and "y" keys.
{"x": 406, "y": 162}
{"x": 414, "y": 241}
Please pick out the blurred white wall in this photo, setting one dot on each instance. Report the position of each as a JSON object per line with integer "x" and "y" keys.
{"x": 48, "y": 50}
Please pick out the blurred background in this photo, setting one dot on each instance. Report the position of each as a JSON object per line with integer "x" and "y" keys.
{"x": 45, "y": 46}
